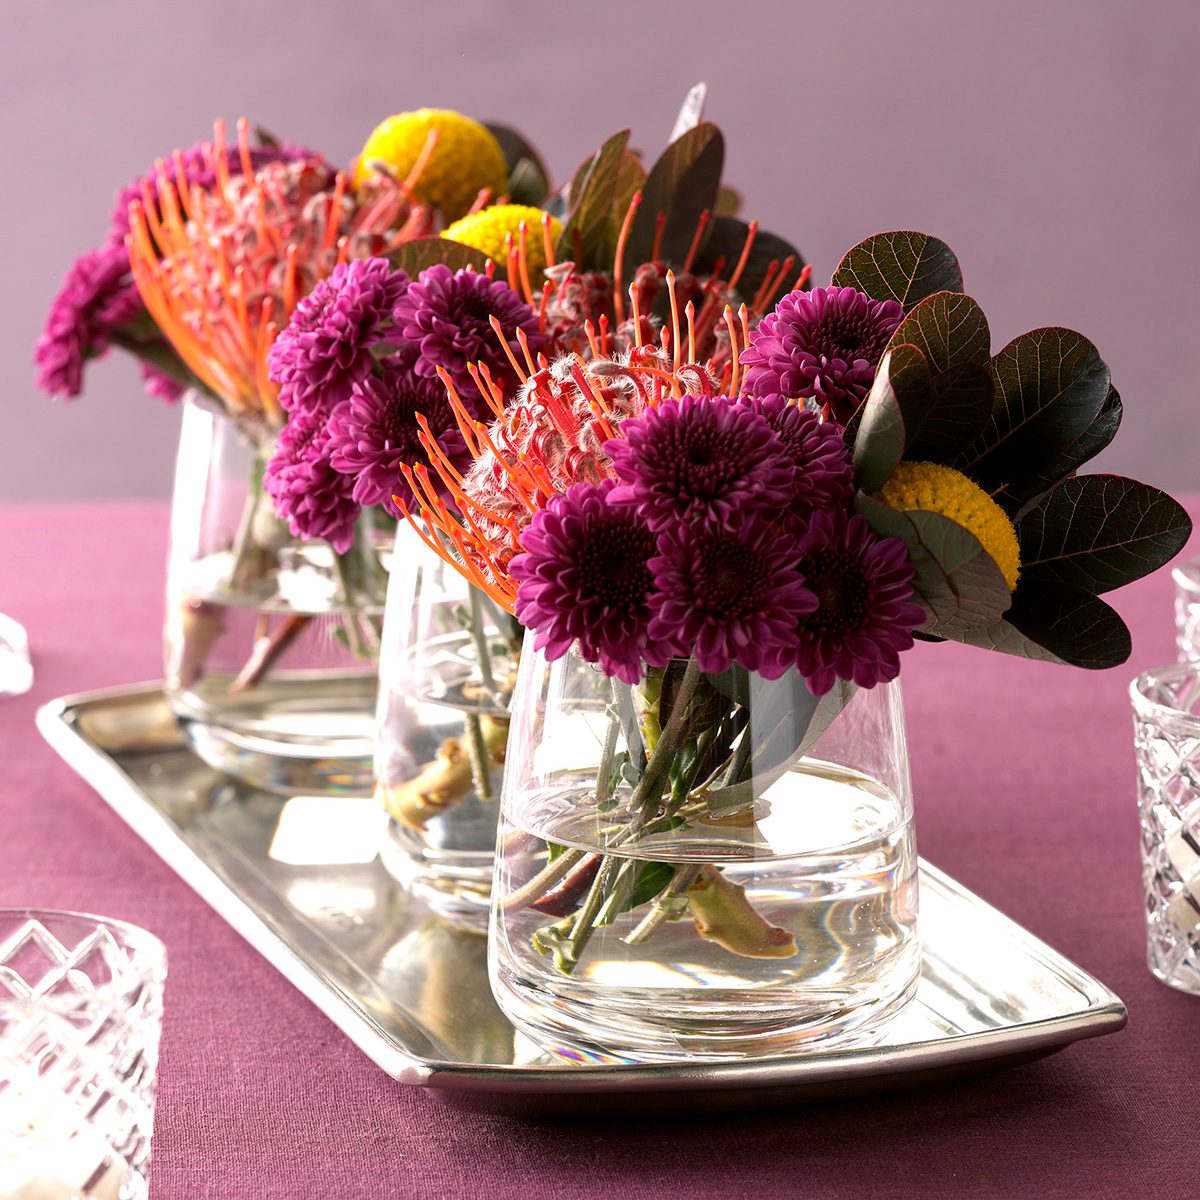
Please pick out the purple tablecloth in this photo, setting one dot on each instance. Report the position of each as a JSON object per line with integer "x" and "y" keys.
{"x": 1024, "y": 781}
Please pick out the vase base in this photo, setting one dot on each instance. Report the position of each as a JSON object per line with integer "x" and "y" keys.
{"x": 733, "y": 1026}
{"x": 457, "y": 885}
{"x": 295, "y": 736}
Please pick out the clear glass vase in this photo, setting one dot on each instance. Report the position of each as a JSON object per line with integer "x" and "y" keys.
{"x": 447, "y": 673}
{"x": 271, "y": 642}
{"x": 702, "y": 865}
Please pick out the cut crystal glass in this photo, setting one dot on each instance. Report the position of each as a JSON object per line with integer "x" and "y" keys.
{"x": 80, "y": 1010}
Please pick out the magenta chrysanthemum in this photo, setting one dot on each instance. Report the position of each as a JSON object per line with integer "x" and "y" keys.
{"x": 326, "y": 347}
{"x": 824, "y": 470}
{"x": 865, "y": 611}
{"x": 700, "y": 458}
{"x": 584, "y": 577}
{"x": 160, "y": 385}
{"x": 376, "y": 430}
{"x": 728, "y": 596}
{"x": 824, "y": 344}
{"x": 96, "y": 299}
{"x": 446, "y": 315}
{"x": 314, "y": 499}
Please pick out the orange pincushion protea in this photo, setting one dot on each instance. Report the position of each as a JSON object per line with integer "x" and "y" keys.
{"x": 220, "y": 270}
{"x": 550, "y": 436}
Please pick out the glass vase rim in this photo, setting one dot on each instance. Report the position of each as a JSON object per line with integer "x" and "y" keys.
{"x": 1170, "y": 674}
{"x": 145, "y": 961}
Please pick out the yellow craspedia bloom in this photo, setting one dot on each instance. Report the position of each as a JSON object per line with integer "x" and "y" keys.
{"x": 466, "y": 159}
{"x": 487, "y": 229}
{"x": 928, "y": 487}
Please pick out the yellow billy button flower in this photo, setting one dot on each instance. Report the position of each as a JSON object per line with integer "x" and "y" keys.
{"x": 929, "y": 487}
{"x": 464, "y": 159}
{"x": 487, "y": 230}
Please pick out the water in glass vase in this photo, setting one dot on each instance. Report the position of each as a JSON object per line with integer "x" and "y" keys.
{"x": 274, "y": 681}
{"x": 446, "y": 764}
{"x": 809, "y": 936}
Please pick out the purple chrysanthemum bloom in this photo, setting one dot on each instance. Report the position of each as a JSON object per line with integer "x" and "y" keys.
{"x": 730, "y": 595}
{"x": 824, "y": 344}
{"x": 96, "y": 299}
{"x": 584, "y": 577}
{"x": 824, "y": 470}
{"x": 700, "y": 458}
{"x": 314, "y": 499}
{"x": 326, "y": 346}
{"x": 160, "y": 385}
{"x": 198, "y": 172}
{"x": 865, "y": 611}
{"x": 446, "y": 315}
{"x": 376, "y": 430}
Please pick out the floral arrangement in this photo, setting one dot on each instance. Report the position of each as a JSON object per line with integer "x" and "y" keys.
{"x": 851, "y": 471}
{"x": 301, "y": 303}
{"x": 628, "y": 419}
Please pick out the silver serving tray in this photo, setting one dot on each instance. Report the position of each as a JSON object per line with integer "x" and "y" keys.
{"x": 300, "y": 881}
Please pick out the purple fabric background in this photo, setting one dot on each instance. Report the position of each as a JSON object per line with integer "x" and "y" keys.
{"x": 1052, "y": 145}
{"x": 1024, "y": 778}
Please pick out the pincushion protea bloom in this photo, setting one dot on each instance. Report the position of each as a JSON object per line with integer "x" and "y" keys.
{"x": 551, "y": 436}
{"x": 220, "y": 270}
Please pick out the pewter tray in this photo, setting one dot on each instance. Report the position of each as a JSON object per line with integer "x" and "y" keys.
{"x": 299, "y": 880}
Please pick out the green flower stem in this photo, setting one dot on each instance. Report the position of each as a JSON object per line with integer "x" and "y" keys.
{"x": 584, "y": 924}
{"x": 669, "y": 904}
{"x": 481, "y": 776}
{"x": 244, "y": 543}
{"x": 479, "y": 639}
{"x": 649, "y": 787}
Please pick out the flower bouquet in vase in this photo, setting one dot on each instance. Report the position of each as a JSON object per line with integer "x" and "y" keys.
{"x": 720, "y": 551}
{"x": 283, "y": 522}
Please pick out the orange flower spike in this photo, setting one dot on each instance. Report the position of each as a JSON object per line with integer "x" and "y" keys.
{"x": 485, "y": 391}
{"x": 219, "y": 163}
{"x": 184, "y": 192}
{"x": 493, "y": 393}
{"x": 675, "y": 340}
{"x": 590, "y": 331}
{"x": 772, "y": 273}
{"x": 805, "y": 276}
{"x": 603, "y": 333}
{"x": 461, "y": 415}
{"x": 498, "y": 330}
{"x": 425, "y": 537}
{"x": 547, "y": 240}
{"x": 694, "y": 248}
{"x": 523, "y": 261}
{"x": 524, "y": 343}
{"x": 510, "y": 254}
{"x": 660, "y": 223}
{"x": 333, "y": 216}
{"x": 691, "y": 326}
{"x": 751, "y": 234}
{"x": 243, "y": 137}
{"x": 547, "y": 292}
{"x": 744, "y": 322}
{"x": 289, "y": 281}
{"x": 637, "y": 316}
{"x": 733, "y": 349}
{"x": 622, "y": 239}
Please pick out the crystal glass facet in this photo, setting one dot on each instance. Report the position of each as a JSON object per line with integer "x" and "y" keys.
{"x": 717, "y": 865}
{"x": 80, "y": 1010}
{"x": 1187, "y": 609}
{"x": 1166, "y": 730}
{"x": 446, "y": 678}
{"x": 271, "y": 642}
